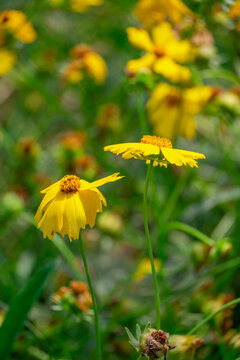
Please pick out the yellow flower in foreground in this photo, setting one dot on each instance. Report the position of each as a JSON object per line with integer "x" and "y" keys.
{"x": 164, "y": 53}
{"x": 150, "y": 12}
{"x": 70, "y": 204}
{"x": 172, "y": 110}
{"x": 8, "y": 60}
{"x": 144, "y": 268}
{"x": 85, "y": 59}
{"x": 156, "y": 149}
{"x": 16, "y": 23}
{"x": 234, "y": 12}
{"x": 83, "y": 5}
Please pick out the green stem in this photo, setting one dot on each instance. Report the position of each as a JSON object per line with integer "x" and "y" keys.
{"x": 141, "y": 113}
{"x": 191, "y": 231}
{"x": 95, "y": 308}
{"x": 149, "y": 246}
{"x": 209, "y": 317}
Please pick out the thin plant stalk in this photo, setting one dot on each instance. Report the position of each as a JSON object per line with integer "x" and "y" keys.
{"x": 149, "y": 247}
{"x": 95, "y": 308}
{"x": 212, "y": 315}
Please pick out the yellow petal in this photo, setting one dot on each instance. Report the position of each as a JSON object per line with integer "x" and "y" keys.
{"x": 86, "y": 185}
{"x": 26, "y": 33}
{"x": 95, "y": 66}
{"x": 171, "y": 70}
{"x": 74, "y": 217}
{"x": 52, "y": 220}
{"x": 92, "y": 205}
{"x": 140, "y": 39}
{"x": 144, "y": 64}
{"x": 56, "y": 184}
{"x": 8, "y": 60}
{"x": 191, "y": 154}
{"x": 129, "y": 150}
{"x": 49, "y": 196}
{"x": 180, "y": 51}
{"x": 162, "y": 34}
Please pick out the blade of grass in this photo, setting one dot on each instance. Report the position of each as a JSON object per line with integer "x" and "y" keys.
{"x": 19, "y": 309}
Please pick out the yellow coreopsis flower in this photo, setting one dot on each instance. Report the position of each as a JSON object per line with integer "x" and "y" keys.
{"x": 150, "y": 12}
{"x": 234, "y": 12}
{"x": 82, "y": 6}
{"x": 172, "y": 110}
{"x": 16, "y": 23}
{"x": 156, "y": 149}
{"x": 164, "y": 55}
{"x": 70, "y": 204}
{"x": 85, "y": 59}
{"x": 7, "y": 61}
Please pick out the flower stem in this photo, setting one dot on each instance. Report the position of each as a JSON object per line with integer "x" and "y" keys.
{"x": 210, "y": 316}
{"x": 95, "y": 308}
{"x": 149, "y": 246}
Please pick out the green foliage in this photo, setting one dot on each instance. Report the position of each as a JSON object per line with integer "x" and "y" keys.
{"x": 19, "y": 309}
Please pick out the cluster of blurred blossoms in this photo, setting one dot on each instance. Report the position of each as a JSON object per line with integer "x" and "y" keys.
{"x": 72, "y": 297}
{"x": 85, "y": 59}
{"x": 13, "y": 26}
{"x": 175, "y": 43}
{"x": 80, "y": 6}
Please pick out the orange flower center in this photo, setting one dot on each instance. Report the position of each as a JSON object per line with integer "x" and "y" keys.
{"x": 173, "y": 99}
{"x": 159, "y": 51}
{"x": 70, "y": 183}
{"x": 155, "y": 140}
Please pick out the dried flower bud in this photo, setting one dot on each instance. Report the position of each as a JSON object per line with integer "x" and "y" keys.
{"x": 155, "y": 344}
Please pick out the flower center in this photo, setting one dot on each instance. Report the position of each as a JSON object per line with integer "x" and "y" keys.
{"x": 70, "y": 183}
{"x": 159, "y": 51}
{"x": 173, "y": 99}
{"x": 155, "y": 140}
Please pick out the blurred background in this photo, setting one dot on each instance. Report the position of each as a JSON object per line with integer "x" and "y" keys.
{"x": 68, "y": 87}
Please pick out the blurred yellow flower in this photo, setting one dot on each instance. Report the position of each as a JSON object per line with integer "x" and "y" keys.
{"x": 82, "y": 6}
{"x": 150, "y": 12}
{"x": 8, "y": 60}
{"x": 70, "y": 204}
{"x": 234, "y": 12}
{"x": 185, "y": 343}
{"x": 16, "y": 23}
{"x": 144, "y": 268}
{"x": 164, "y": 53}
{"x": 85, "y": 58}
{"x": 172, "y": 110}
{"x": 156, "y": 149}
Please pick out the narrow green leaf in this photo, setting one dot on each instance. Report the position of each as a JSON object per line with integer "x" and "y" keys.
{"x": 138, "y": 332}
{"x": 131, "y": 337}
{"x": 19, "y": 308}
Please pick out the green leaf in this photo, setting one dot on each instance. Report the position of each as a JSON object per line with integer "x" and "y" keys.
{"x": 19, "y": 308}
{"x": 133, "y": 341}
{"x": 138, "y": 332}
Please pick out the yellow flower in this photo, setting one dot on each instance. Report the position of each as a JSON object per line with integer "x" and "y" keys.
{"x": 185, "y": 343}
{"x": 150, "y": 12}
{"x": 144, "y": 268}
{"x": 85, "y": 58}
{"x": 164, "y": 53}
{"x": 82, "y": 6}
{"x": 70, "y": 204}
{"x": 172, "y": 110}
{"x": 156, "y": 149}
{"x": 16, "y": 23}
{"x": 8, "y": 60}
{"x": 234, "y": 12}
